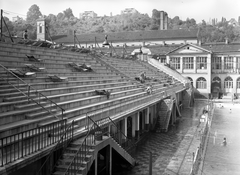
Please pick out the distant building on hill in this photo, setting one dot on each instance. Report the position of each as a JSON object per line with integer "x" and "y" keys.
{"x": 129, "y": 11}
{"x": 87, "y": 15}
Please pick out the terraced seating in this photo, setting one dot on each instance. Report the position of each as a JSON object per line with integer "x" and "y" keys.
{"x": 56, "y": 78}
{"x": 20, "y": 73}
{"x": 35, "y": 68}
{"x": 76, "y": 96}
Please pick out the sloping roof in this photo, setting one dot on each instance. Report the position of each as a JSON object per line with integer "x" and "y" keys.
{"x": 130, "y": 36}
{"x": 222, "y": 47}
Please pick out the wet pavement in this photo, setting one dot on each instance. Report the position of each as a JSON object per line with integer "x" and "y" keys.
{"x": 169, "y": 149}
{"x": 223, "y": 159}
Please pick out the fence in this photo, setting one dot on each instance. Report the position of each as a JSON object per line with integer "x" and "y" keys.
{"x": 22, "y": 144}
{"x": 199, "y": 153}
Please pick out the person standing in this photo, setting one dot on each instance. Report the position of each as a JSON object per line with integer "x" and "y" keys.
{"x": 25, "y": 35}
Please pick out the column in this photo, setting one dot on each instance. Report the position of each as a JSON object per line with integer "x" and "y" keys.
{"x": 222, "y": 59}
{"x": 108, "y": 160}
{"x": 168, "y": 59}
{"x": 133, "y": 125}
{"x": 209, "y": 73}
{"x": 181, "y": 65}
{"x": 96, "y": 164}
{"x": 147, "y": 119}
{"x": 124, "y": 127}
{"x": 137, "y": 121}
{"x": 234, "y": 65}
{"x": 195, "y": 64}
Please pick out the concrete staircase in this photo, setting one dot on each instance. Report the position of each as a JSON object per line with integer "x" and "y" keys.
{"x": 165, "y": 114}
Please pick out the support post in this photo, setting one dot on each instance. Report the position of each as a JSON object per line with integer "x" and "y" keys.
{"x": 1, "y": 22}
{"x": 150, "y": 163}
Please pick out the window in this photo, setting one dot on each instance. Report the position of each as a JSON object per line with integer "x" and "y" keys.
{"x": 201, "y": 62}
{"x": 238, "y": 83}
{"x": 228, "y": 63}
{"x": 175, "y": 62}
{"x": 228, "y": 82}
{"x": 217, "y": 63}
{"x": 238, "y": 63}
{"x": 201, "y": 83}
{"x": 162, "y": 59}
{"x": 188, "y": 62}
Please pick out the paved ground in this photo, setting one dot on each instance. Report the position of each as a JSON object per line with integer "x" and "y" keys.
{"x": 220, "y": 159}
{"x": 171, "y": 148}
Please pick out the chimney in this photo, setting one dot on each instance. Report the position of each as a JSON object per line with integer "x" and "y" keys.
{"x": 165, "y": 21}
{"x": 199, "y": 42}
{"x": 161, "y": 20}
{"x": 226, "y": 40}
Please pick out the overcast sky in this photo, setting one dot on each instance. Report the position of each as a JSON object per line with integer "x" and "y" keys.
{"x": 197, "y": 9}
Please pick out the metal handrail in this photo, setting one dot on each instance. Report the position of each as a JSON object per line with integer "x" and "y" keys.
{"x": 79, "y": 158}
{"x": 17, "y": 146}
{"x": 65, "y": 139}
{"x": 128, "y": 143}
{"x": 36, "y": 91}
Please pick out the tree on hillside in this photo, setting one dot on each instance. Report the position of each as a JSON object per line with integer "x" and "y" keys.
{"x": 68, "y": 13}
{"x": 33, "y": 13}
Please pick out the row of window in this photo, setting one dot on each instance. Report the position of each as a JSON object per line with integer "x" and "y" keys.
{"x": 201, "y": 63}
{"x": 188, "y": 62}
{"x": 201, "y": 82}
{"x": 228, "y": 63}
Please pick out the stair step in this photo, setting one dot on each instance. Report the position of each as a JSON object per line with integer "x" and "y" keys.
{"x": 63, "y": 173}
{"x": 30, "y": 105}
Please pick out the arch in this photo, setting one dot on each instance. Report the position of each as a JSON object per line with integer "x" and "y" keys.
{"x": 190, "y": 79}
{"x": 216, "y": 84}
{"x": 201, "y": 83}
{"x": 217, "y": 79}
{"x": 228, "y": 82}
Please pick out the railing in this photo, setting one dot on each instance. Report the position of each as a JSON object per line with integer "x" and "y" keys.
{"x": 62, "y": 143}
{"x": 85, "y": 148}
{"x": 54, "y": 107}
{"x": 121, "y": 138}
{"x": 203, "y": 134}
{"x": 169, "y": 71}
{"x": 22, "y": 144}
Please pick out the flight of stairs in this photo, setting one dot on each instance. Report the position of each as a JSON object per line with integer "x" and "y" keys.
{"x": 69, "y": 154}
{"x": 165, "y": 115}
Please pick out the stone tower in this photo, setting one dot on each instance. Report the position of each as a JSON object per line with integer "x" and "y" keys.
{"x": 41, "y": 29}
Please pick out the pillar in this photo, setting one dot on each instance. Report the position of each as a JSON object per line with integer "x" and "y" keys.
{"x": 195, "y": 64}
{"x": 222, "y": 58}
{"x": 181, "y": 65}
{"x": 168, "y": 59}
{"x": 133, "y": 125}
{"x": 234, "y": 64}
{"x": 96, "y": 164}
{"x": 108, "y": 160}
{"x": 209, "y": 73}
{"x": 143, "y": 119}
{"x": 137, "y": 122}
{"x": 147, "y": 118}
{"x": 124, "y": 127}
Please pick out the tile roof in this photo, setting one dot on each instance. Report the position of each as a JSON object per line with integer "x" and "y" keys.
{"x": 155, "y": 35}
{"x": 222, "y": 47}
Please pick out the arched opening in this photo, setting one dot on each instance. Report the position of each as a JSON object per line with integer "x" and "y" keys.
{"x": 216, "y": 87}
{"x": 201, "y": 83}
{"x": 228, "y": 84}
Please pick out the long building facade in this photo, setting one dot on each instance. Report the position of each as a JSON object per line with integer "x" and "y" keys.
{"x": 212, "y": 68}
